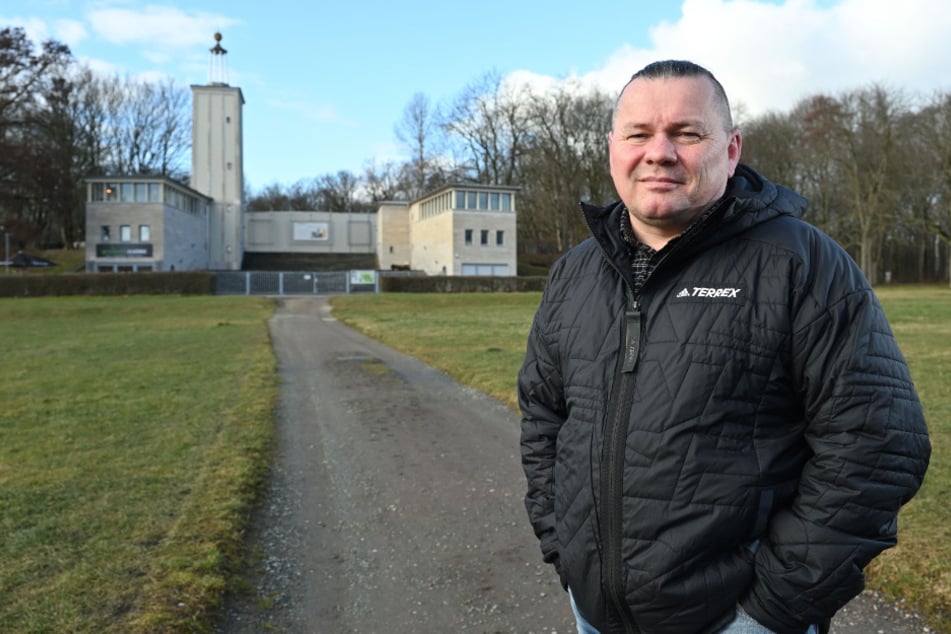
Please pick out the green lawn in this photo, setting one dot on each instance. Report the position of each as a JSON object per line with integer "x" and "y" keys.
{"x": 135, "y": 430}
{"x": 480, "y": 339}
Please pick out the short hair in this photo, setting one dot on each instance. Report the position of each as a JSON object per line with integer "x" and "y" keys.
{"x": 676, "y": 68}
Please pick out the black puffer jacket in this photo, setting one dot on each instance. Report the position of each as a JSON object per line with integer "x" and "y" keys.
{"x": 745, "y": 434}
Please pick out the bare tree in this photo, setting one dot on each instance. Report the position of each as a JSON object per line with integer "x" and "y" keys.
{"x": 383, "y": 181}
{"x": 565, "y": 161}
{"x": 868, "y": 139}
{"x": 25, "y": 75}
{"x": 173, "y": 133}
{"x": 63, "y": 160}
{"x": 339, "y": 192}
{"x": 936, "y": 121}
{"x": 418, "y": 130}
{"x": 771, "y": 143}
{"x": 489, "y": 121}
{"x": 273, "y": 197}
{"x": 299, "y": 196}
{"x": 816, "y": 145}
{"x": 150, "y": 126}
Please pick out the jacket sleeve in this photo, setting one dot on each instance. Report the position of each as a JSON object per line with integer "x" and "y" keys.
{"x": 866, "y": 429}
{"x": 542, "y": 402}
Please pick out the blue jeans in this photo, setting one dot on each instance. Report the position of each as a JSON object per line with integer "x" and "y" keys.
{"x": 745, "y": 624}
{"x": 583, "y": 626}
{"x": 742, "y": 624}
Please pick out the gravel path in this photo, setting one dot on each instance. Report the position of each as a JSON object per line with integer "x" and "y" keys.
{"x": 395, "y": 504}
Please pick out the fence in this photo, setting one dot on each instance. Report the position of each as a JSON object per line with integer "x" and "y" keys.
{"x": 295, "y": 282}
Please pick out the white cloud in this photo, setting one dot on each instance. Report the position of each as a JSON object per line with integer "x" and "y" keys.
{"x": 69, "y": 32}
{"x": 770, "y": 55}
{"x": 163, "y": 27}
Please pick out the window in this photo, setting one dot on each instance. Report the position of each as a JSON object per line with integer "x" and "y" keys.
{"x": 127, "y": 193}
{"x": 112, "y": 192}
{"x": 155, "y": 192}
{"x": 104, "y": 233}
{"x": 98, "y": 192}
{"x": 145, "y": 233}
{"x": 484, "y": 237}
{"x": 484, "y": 200}
{"x": 125, "y": 233}
{"x": 469, "y": 237}
{"x": 141, "y": 194}
{"x": 499, "y": 238}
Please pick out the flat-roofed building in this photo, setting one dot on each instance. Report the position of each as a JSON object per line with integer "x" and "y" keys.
{"x": 145, "y": 224}
{"x": 460, "y": 229}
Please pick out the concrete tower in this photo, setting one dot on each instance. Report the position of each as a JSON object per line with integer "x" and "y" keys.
{"x": 217, "y": 166}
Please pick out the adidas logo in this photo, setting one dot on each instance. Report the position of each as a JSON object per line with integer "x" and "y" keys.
{"x": 702, "y": 291}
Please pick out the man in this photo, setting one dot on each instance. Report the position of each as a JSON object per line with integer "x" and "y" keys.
{"x": 718, "y": 427}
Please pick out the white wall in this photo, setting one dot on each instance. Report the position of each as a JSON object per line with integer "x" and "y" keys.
{"x": 218, "y": 168}
{"x": 310, "y": 232}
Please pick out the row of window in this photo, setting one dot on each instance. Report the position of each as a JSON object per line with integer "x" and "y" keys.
{"x": 125, "y": 233}
{"x": 436, "y": 205}
{"x": 468, "y": 200}
{"x": 127, "y": 192}
{"x": 484, "y": 237}
{"x": 145, "y": 193}
{"x": 483, "y": 201}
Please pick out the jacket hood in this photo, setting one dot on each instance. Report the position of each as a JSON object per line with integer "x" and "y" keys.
{"x": 750, "y": 199}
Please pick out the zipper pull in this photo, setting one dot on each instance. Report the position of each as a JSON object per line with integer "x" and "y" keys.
{"x": 632, "y": 337}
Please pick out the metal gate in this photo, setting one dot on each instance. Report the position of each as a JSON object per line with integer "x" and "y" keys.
{"x": 295, "y": 282}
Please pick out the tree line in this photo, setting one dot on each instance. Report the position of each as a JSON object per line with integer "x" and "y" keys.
{"x": 874, "y": 162}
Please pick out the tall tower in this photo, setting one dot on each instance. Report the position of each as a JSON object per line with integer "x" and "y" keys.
{"x": 217, "y": 165}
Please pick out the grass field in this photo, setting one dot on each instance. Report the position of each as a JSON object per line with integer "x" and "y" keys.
{"x": 134, "y": 432}
{"x": 480, "y": 340}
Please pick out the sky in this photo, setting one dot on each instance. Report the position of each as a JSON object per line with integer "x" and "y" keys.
{"x": 325, "y": 83}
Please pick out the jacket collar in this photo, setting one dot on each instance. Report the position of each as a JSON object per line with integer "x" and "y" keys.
{"x": 750, "y": 199}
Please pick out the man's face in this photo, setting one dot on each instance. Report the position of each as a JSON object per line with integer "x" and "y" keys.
{"x": 670, "y": 154}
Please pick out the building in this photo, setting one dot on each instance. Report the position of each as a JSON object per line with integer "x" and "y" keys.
{"x": 457, "y": 230}
{"x": 157, "y": 224}
{"x": 145, "y": 224}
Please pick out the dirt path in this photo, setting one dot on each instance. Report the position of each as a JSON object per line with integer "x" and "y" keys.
{"x": 396, "y": 503}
